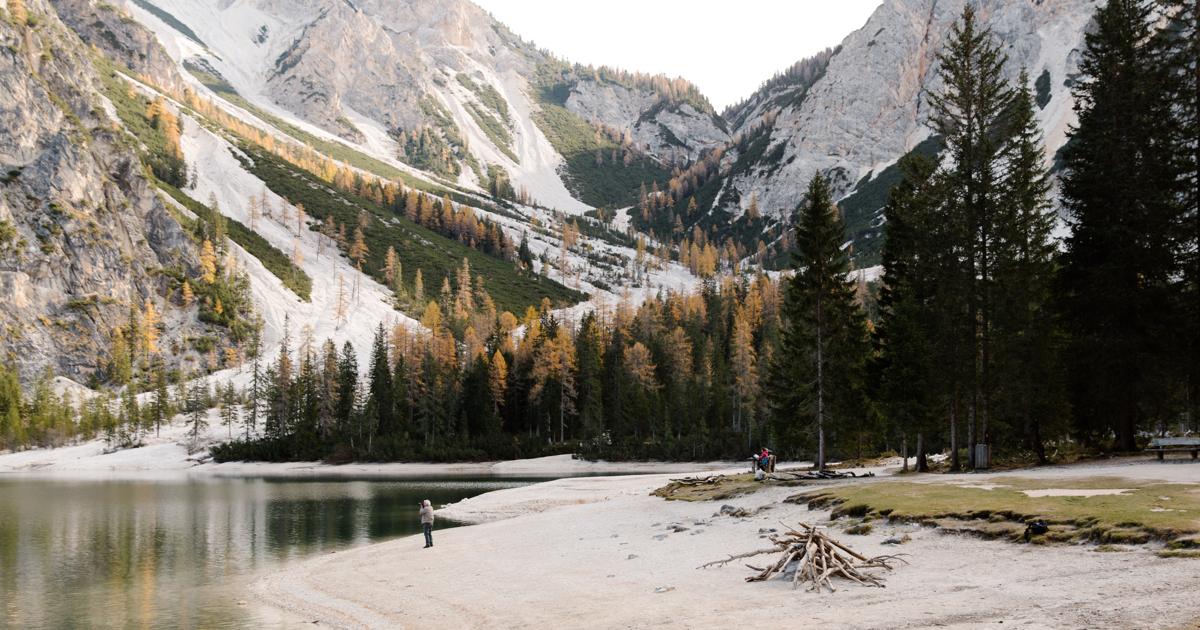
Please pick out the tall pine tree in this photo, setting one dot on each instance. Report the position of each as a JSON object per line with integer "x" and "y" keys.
{"x": 970, "y": 114}
{"x": 817, "y": 379}
{"x": 1120, "y": 293}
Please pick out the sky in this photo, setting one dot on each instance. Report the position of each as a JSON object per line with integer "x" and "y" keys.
{"x": 727, "y": 47}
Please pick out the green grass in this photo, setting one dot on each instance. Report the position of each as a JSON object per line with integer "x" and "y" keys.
{"x": 417, "y": 247}
{"x": 607, "y": 184}
{"x": 274, "y": 260}
{"x": 1125, "y": 518}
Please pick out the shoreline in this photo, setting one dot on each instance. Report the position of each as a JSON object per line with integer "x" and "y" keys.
{"x": 602, "y": 551}
{"x": 166, "y": 456}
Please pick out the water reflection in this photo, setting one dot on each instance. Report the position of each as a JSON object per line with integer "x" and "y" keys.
{"x": 180, "y": 554}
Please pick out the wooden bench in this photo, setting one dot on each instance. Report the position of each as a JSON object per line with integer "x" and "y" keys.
{"x": 1164, "y": 445}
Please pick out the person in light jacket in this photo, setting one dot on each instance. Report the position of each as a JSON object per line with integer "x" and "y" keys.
{"x": 427, "y": 522}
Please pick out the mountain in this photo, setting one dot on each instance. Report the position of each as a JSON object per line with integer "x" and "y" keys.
{"x": 444, "y": 87}
{"x": 852, "y": 112}
{"x": 366, "y": 155}
{"x": 84, "y": 239}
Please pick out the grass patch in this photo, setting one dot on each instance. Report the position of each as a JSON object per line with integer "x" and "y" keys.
{"x": 1179, "y": 553}
{"x": 725, "y": 487}
{"x": 1145, "y": 512}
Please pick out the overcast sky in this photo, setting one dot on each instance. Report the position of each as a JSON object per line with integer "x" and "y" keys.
{"x": 727, "y": 47}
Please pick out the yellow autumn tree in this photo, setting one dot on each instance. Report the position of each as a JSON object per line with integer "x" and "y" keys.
{"x": 744, "y": 363}
{"x": 498, "y": 378}
{"x": 150, "y": 321}
{"x": 208, "y": 262}
{"x": 16, "y": 9}
{"x": 358, "y": 250}
{"x": 186, "y": 294}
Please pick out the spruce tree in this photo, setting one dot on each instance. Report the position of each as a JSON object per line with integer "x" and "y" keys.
{"x": 915, "y": 337}
{"x": 1030, "y": 396}
{"x": 12, "y": 433}
{"x": 347, "y": 392}
{"x": 381, "y": 404}
{"x": 817, "y": 381}
{"x": 161, "y": 406}
{"x": 1120, "y": 267}
{"x": 1181, "y": 40}
{"x": 970, "y": 115}
{"x": 589, "y": 353}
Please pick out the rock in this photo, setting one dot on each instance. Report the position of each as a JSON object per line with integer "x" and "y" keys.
{"x": 92, "y": 235}
{"x": 664, "y": 589}
{"x": 660, "y": 537}
{"x": 679, "y": 528}
{"x": 631, "y": 556}
{"x": 727, "y": 509}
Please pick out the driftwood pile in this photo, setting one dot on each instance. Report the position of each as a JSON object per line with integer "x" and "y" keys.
{"x": 813, "y": 558}
{"x": 816, "y": 474}
{"x": 698, "y": 481}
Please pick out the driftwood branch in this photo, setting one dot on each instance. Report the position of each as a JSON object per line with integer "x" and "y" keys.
{"x": 808, "y": 556}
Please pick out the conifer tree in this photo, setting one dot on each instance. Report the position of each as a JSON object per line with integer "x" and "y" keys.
{"x": 208, "y": 262}
{"x": 12, "y": 432}
{"x": 347, "y": 391}
{"x": 197, "y": 413}
{"x": 817, "y": 378}
{"x": 918, "y": 332}
{"x": 1031, "y": 394}
{"x": 229, "y": 407}
{"x": 186, "y": 294}
{"x": 1181, "y": 40}
{"x": 970, "y": 113}
{"x": 256, "y": 393}
{"x": 381, "y": 403}
{"x": 161, "y": 405}
{"x": 1120, "y": 267}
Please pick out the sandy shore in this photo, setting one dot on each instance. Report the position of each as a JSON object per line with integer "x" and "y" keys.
{"x": 603, "y": 553}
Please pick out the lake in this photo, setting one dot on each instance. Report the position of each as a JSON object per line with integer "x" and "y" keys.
{"x": 181, "y": 553}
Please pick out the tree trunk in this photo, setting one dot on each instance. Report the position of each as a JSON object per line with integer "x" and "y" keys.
{"x": 954, "y": 463}
{"x": 904, "y": 452}
{"x": 820, "y": 390}
{"x": 922, "y": 464}
{"x": 971, "y": 435}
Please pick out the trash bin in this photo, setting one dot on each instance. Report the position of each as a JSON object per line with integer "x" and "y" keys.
{"x": 982, "y": 457}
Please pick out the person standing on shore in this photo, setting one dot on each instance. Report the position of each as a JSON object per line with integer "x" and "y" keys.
{"x": 427, "y": 522}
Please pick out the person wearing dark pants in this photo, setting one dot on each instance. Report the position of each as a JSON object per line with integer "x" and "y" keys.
{"x": 427, "y": 522}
